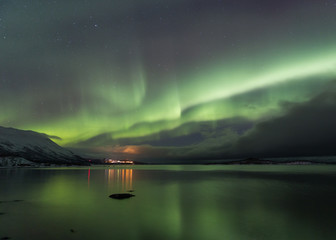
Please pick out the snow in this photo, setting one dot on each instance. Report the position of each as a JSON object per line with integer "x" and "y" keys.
{"x": 32, "y": 146}
{"x": 14, "y": 161}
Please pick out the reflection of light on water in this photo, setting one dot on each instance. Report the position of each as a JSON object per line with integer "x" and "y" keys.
{"x": 122, "y": 179}
{"x": 89, "y": 173}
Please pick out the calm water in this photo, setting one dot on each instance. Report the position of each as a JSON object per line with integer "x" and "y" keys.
{"x": 171, "y": 202}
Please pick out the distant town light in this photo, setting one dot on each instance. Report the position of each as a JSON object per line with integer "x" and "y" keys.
{"x": 113, "y": 161}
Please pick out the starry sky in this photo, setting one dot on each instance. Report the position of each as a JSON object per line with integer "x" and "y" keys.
{"x": 172, "y": 80}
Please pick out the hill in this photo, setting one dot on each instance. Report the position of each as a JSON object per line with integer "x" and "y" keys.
{"x": 23, "y": 147}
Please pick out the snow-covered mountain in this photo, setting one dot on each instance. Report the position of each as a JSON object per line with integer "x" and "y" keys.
{"x": 18, "y": 146}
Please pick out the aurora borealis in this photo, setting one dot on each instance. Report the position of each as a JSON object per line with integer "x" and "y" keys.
{"x": 165, "y": 80}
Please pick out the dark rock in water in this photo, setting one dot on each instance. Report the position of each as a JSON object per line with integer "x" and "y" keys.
{"x": 130, "y": 191}
{"x": 121, "y": 195}
{"x": 5, "y": 238}
{"x": 17, "y": 200}
{"x": 2, "y": 213}
{"x": 72, "y": 230}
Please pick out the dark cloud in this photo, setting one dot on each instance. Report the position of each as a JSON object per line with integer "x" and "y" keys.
{"x": 305, "y": 129}
{"x": 308, "y": 129}
{"x": 192, "y": 133}
{"x": 201, "y": 141}
{"x": 50, "y": 136}
{"x": 54, "y": 137}
{"x": 300, "y": 129}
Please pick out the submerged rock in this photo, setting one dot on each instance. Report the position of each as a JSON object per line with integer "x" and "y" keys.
{"x": 5, "y": 238}
{"x": 121, "y": 195}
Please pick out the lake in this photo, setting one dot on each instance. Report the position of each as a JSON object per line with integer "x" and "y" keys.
{"x": 171, "y": 202}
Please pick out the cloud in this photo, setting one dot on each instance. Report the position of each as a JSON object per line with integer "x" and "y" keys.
{"x": 190, "y": 133}
{"x": 304, "y": 129}
{"x": 307, "y": 129}
{"x": 194, "y": 140}
{"x": 54, "y": 137}
{"x": 51, "y": 136}
{"x": 211, "y": 148}
{"x": 299, "y": 129}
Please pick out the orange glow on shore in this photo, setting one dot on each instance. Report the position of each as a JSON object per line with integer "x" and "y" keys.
{"x": 131, "y": 150}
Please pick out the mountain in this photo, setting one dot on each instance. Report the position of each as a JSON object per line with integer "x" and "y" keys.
{"x": 23, "y": 147}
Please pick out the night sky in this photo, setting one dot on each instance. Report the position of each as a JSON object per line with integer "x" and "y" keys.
{"x": 162, "y": 80}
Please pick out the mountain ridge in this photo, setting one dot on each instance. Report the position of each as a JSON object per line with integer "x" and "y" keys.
{"x": 34, "y": 147}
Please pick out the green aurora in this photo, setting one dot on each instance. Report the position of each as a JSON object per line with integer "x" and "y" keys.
{"x": 131, "y": 70}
